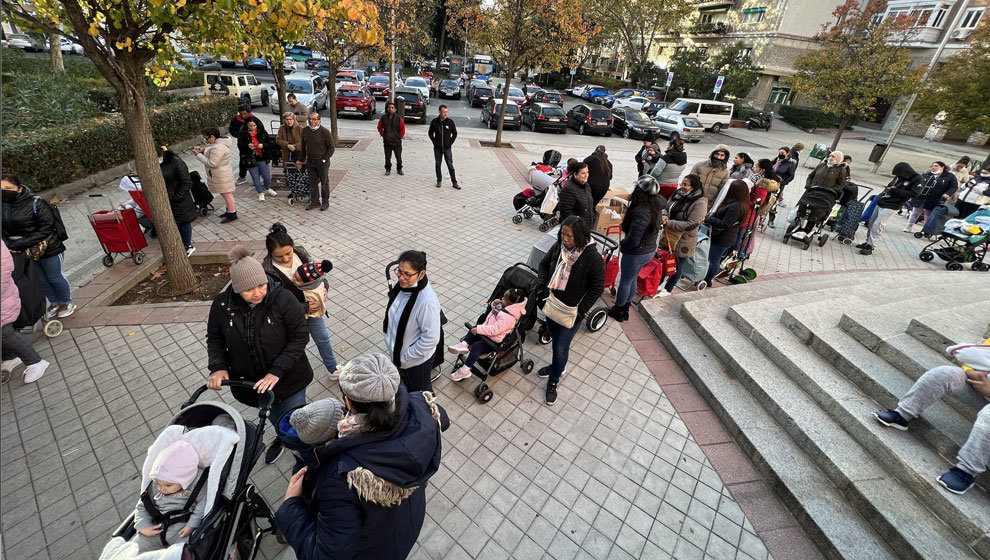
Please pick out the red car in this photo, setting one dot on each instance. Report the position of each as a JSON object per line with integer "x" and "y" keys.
{"x": 378, "y": 84}
{"x": 353, "y": 99}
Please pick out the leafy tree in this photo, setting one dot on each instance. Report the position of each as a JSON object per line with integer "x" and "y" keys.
{"x": 638, "y": 25}
{"x": 862, "y": 59}
{"x": 695, "y": 73}
{"x": 961, "y": 87}
{"x": 521, "y": 33}
{"x": 648, "y": 76}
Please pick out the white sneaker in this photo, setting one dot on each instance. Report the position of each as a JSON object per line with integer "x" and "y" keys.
{"x": 34, "y": 372}
{"x": 69, "y": 310}
{"x": 462, "y": 373}
{"x": 907, "y": 229}
{"x": 662, "y": 293}
{"x": 190, "y": 250}
{"x": 459, "y": 348}
{"x": 271, "y": 192}
{"x": 241, "y": 181}
{"x": 261, "y": 196}
{"x": 11, "y": 364}
{"x": 335, "y": 374}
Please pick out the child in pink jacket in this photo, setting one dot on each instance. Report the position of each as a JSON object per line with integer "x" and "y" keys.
{"x": 499, "y": 322}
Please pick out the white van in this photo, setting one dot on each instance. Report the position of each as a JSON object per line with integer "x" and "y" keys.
{"x": 713, "y": 115}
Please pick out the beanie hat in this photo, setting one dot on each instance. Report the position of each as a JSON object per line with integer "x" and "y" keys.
{"x": 312, "y": 270}
{"x": 316, "y": 422}
{"x": 178, "y": 463}
{"x": 245, "y": 271}
{"x": 370, "y": 378}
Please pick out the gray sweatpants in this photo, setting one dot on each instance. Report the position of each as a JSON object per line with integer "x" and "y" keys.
{"x": 935, "y": 384}
{"x": 877, "y": 221}
{"x": 146, "y": 544}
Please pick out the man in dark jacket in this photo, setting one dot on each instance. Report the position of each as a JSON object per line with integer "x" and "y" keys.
{"x": 901, "y": 188}
{"x": 392, "y": 130}
{"x": 243, "y": 115}
{"x": 442, "y": 133}
{"x": 317, "y": 148}
{"x": 257, "y": 332}
{"x": 178, "y": 184}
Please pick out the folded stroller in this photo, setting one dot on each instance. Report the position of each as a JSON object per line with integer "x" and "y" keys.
{"x": 228, "y": 447}
{"x": 809, "y": 215}
{"x": 962, "y": 241}
{"x": 201, "y": 194}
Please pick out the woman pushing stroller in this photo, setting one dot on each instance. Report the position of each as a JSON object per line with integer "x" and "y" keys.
{"x": 830, "y": 174}
{"x": 502, "y": 318}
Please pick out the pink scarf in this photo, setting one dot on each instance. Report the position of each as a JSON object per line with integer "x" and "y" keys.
{"x": 563, "y": 272}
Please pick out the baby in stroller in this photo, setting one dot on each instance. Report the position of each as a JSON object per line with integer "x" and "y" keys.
{"x": 505, "y": 312}
{"x": 177, "y": 483}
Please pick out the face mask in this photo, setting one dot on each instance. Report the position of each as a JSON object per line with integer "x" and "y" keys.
{"x": 937, "y": 170}
{"x": 781, "y": 156}
{"x": 984, "y": 174}
{"x": 10, "y": 196}
{"x": 314, "y": 126}
{"x": 161, "y": 160}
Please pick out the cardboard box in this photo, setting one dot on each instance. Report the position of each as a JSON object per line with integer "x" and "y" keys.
{"x": 610, "y": 213}
{"x": 618, "y": 192}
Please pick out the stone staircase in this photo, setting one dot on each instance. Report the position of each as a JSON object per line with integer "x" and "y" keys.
{"x": 795, "y": 367}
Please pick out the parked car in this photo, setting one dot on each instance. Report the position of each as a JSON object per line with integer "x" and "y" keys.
{"x": 714, "y": 115}
{"x": 420, "y": 83}
{"x": 653, "y": 107}
{"x": 26, "y": 42}
{"x": 227, "y": 62}
{"x": 290, "y": 65}
{"x": 680, "y": 126}
{"x": 597, "y": 94}
{"x": 317, "y": 64}
{"x": 650, "y": 94}
{"x": 204, "y": 63}
{"x": 347, "y": 77}
{"x": 242, "y": 85}
{"x": 378, "y": 85}
{"x": 544, "y": 116}
{"x": 415, "y": 103}
{"x": 609, "y": 101}
{"x": 449, "y": 90}
{"x": 582, "y": 89}
{"x": 256, "y": 64}
{"x": 530, "y": 89}
{"x": 310, "y": 90}
{"x": 631, "y": 123}
{"x": 633, "y": 102}
{"x": 68, "y": 47}
{"x": 480, "y": 95}
{"x": 361, "y": 76}
{"x": 353, "y": 99}
{"x": 548, "y": 96}
{"x": 489, "y": 114}
{"x": 590, "y": 120}
{"x": 469, "y": 90}
{"x": 515, "y": 94}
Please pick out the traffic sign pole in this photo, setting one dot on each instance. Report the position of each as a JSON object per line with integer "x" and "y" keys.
{"x": 670, "y": 80}
{"x": 718, "y": 86}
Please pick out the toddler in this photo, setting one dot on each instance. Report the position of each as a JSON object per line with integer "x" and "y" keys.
{"x": 309, "y": 278}
{"x": 499, "y": 322}
{"x": 310, "y": 426}
{"x": 174, "y": 481}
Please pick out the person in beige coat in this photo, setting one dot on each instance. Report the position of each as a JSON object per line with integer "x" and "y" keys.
{"x": 219, "y": 175}
{"x": 713, "y": 171}
{"x": 289, "y": 138}
{"x": 685, "y": 213}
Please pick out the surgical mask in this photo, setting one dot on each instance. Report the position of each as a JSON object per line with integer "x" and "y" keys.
{"x": 10, "y": 196}
{"x": 937, "y": 170}
{"x": 314, "y": 127}
{"x": 161, "y": 160}
{"x": 984, "y": 174}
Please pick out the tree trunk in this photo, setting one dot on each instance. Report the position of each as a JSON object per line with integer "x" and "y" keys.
{"x": 838, "y": 133}
{"x": 55, "y": 54}
{"x": 332, "y": 86}
{"x": 443, "y": 35}
{"x": 135, "y": 111}
{"x": 505, "y": 100}
{"x": 278, "y": 72}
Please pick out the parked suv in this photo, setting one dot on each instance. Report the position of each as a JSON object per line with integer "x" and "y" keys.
{"x": 480, "y": 95}
{"x": 545, "y": 116}
{"x": 548, "y": 96}
{"x": 489, "y": 114}
{"x": 415, "y": 104}
{"x": 242, "y": 85}
{"x": 590, "y": 120}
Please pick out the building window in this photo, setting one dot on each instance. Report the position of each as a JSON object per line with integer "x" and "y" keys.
{"x": 679, "y": 50}
{"x": 970, "y": 18}
{"x": 939, "y": 18}
{"x": 747, "y": 52}
{"x": 779, "y": 93}
{"x": 703, "y": 51}
{"x": 753, "y": 15}
{"x": 705, "y": 18}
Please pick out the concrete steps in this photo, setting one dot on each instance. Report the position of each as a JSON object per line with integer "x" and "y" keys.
{"x": 772, "y": 360}
{"x": 967, "y": 323}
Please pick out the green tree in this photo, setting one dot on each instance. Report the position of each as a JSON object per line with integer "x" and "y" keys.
{"x": 639, "y": 24}
{"x": 695, "y": 72}
{"x": 961, "y": 87}
{"x": 863, "y": 59}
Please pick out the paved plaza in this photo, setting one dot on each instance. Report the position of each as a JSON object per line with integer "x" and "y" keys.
{"x": 611, "y": 471}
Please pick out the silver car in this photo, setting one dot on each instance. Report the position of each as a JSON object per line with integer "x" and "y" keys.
{"x": 680, "y": 126}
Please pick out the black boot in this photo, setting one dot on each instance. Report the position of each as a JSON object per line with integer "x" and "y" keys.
{"x": 625, "y": 311}
{"x": 615, "y": 312}
{"x": 868, "y": 250}
{"x": 862, "y": 245}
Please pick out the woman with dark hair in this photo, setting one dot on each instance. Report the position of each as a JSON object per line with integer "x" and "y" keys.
{"x": 599, "y": 173}
{"x": 178, "y": 184}
{"x": 667, "y": 170}
{"x": 219, "y": 176}
{"x": 412, "y": 322}
{"x": 763, "y": 168}
{"x": 575, "y": 196}
{"x": 250, "y": 144}
{"x": 685, "y": 213}
{"x": 641, "y": 226}
{"x": 724, "y": 224}
{"x": 367, "y": 497}
{"x": 572, "y": 277}
{"x": 939, "y": 185}
{"x": 29, "y": 227}
{"x": 742, "y": 166}
{"x": 282, "y": 261}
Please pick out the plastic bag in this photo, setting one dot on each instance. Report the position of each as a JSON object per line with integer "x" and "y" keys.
{"x": 550, "y": 201}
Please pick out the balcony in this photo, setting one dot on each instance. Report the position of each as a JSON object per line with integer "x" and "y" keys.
{"x": 706, "y": 5}
{"x": 708, "y": 28}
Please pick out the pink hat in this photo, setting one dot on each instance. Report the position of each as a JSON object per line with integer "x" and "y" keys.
{"x": 178, "y": 463}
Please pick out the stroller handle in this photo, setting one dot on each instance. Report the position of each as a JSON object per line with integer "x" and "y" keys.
{"x": 265, "y": 403}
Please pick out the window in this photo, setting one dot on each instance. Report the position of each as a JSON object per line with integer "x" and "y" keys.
{"x": 714, "y": 109}
{"x": 240, "y": 81}
{"x": 679, "y": 50}
{"x": 252, "y": 80}
{"x": 753, "y": 15}
{"x": 747, "y": 52}
{"x": 970, "y": 18}
{"x": 705, "y": 18}
{"x": 779, "y": 93}
{"x": 703, "y": 51}
{"x": 939, "y": 18}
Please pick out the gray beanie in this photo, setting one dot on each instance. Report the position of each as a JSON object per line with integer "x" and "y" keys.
{"x": 316, "y": 422}
{"x": 245, "y": 271}
{"x": 370, "y": 378}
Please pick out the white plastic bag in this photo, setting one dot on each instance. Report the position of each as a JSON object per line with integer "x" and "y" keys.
{"x": 792, "y": 214}
{"x": 976, "y": 356}
{"x": 550, "y": 201}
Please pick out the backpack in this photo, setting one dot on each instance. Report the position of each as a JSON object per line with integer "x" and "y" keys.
{"x": 57, "y": 224}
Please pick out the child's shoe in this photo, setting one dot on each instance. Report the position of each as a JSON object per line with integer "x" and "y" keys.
{"x": 462, "y": 373}
{"x": 891, "y": 419}
{"x": 459, "y": 348}
{"x": 956, "y": 481}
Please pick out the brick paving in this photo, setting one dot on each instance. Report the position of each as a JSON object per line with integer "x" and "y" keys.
{"x": 630, "y": 463}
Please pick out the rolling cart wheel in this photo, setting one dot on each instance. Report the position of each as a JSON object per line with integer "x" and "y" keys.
{"x": 918, "y": 235}
{"x": 517, "y": 219}
{"x": 700, "y": 285}
{"x": 291, "y": 201}
{"x": 53, "y": 328}
{"x": 204, "y": 211}
{"x": 544, "y": 227}
{"x": 976, "y": 266}
{"x": 807, "y": 244}
{"x": 953, "y": 266}
{"x": 596, "y": 319}
{"x": 545, "y": 337}
{"x": 738, "y": 279}
{"x": 480, "y": 389}
{"x": 824, "y": 239}
{"x": 527, "y": 366}
{"x": 107, "y": 260}
{"x": 486, "y": 396}
{"x": 985, "y": 267}
{"x": 138, "y": 258}
{"x": 749, "y": 274}
{"x": 926, "y": 256}
{"x": 527, "y": 213}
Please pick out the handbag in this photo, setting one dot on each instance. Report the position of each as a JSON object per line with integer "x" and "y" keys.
{"x": 249, "y": 160}
{"x": 556, "y": 311}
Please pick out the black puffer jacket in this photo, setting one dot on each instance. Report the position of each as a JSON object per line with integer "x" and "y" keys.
{"x": 725, "y": 223}
{"x": 251, "y": 342}
{"x": 27, "y": 221}
{"x": 585, "y": 283}
{"x": 902, "y": 187}
{"x": 576, "y": 200}
{"x": 178, "y": 183}
{"x": 936, "y": 186}
{"x": 598, "y": 180}
{"x": 244, "y": 146}
{"x": 640, "y": 234}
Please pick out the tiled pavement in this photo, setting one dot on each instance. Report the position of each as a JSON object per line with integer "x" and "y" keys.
{"x": 628, "y": 464}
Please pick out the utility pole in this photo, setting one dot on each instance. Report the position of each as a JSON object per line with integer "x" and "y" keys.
{"x": 931, "y": 67}
{"x": 391, "y": 73}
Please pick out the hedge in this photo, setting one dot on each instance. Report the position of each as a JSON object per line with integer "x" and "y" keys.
{"x": 808, "y": 118}
{"x": 605, "y": 81}
{"x": 49, "y": 157}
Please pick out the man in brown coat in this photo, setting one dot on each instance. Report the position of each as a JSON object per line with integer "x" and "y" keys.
{"x": 317, "y": 148}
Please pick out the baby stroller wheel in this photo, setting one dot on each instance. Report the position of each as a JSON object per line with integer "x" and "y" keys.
{"x": 517, "y": 219}
{"x": 596, "y": 319}
{"x": 527, "y": 366}
{"x": 544, "y": 227}
{"x": 204, "y": 211}
{"x": 847, "y": 240}
{"x": 527, "y": 213}
{"x": 953, "y": 266}
{"x": 53, "y": 328}
{"x": 807, "y": 244}
{"x": 822, "y": 240}
{"x": 486, "y": 396}
{"x": 918, "y": 235}
{"x": 545, "y": 337}
{"x": 700, "y": 285}
{"x": 737, "y": 279}
{"x": 926, "y": 256}
{"x": 107, "y": 260}
{"x": 977, "y": 266}
{"x": 749, "y": 274}
{"x": 787, "y": 237}
{"x": 138, "y": 258}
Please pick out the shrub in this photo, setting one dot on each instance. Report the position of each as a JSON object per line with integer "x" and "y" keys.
{"x": 42, "y": 100}
{"x": 744, "y": 113}
{"x": 184, "y": 79}
{"x": 808, "y": 118}
{"x": 49, "y": 157}
{"x": 610, "y": 83}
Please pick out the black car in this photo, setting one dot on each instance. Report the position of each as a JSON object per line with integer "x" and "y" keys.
{"x": 631, "y": 123}
{"x": 652, "y": 107}
{"x": 489, "y": 114}
{"x": 449, "y": 90}
{"x": 545, "y": 116}
{"x": 480, "y": 95}
{"x": 590, "y": 120}
{"x": 415, "y": 105}
{"x": 548, "y": 96}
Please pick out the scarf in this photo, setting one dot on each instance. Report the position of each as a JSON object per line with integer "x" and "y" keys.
{"x": 400, "y": 331}
{"x": 351, "y": 424}
{"x": 681, "y": 200}
{"x": 254, "y": 140}
{"x": 563, "y": 271}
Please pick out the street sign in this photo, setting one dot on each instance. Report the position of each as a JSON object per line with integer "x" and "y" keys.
{"x": 670, "y": 78}
{"x": 718, "y": 83}
{"x": 573, "y": 71}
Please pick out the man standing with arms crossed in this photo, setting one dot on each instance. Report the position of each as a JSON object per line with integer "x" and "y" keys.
{"x": 443, "y": 133}
{"x": 392, "y": 130}
{"x": 317, "y": 148}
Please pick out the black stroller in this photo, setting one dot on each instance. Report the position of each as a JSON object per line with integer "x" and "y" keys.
{"x": 509, "y": 351}
{"x": 812, "y": 209}
{"x": 230, "y": 528}
{"x": 529, "y": 205}
{"x": 201, "y": 194}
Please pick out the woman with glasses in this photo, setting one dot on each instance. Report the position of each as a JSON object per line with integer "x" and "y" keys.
{"x": 219, "y": 176}
{"x": 412, "y": 322}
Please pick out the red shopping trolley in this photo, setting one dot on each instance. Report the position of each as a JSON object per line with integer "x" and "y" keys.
{"x": 118, "y": 231}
